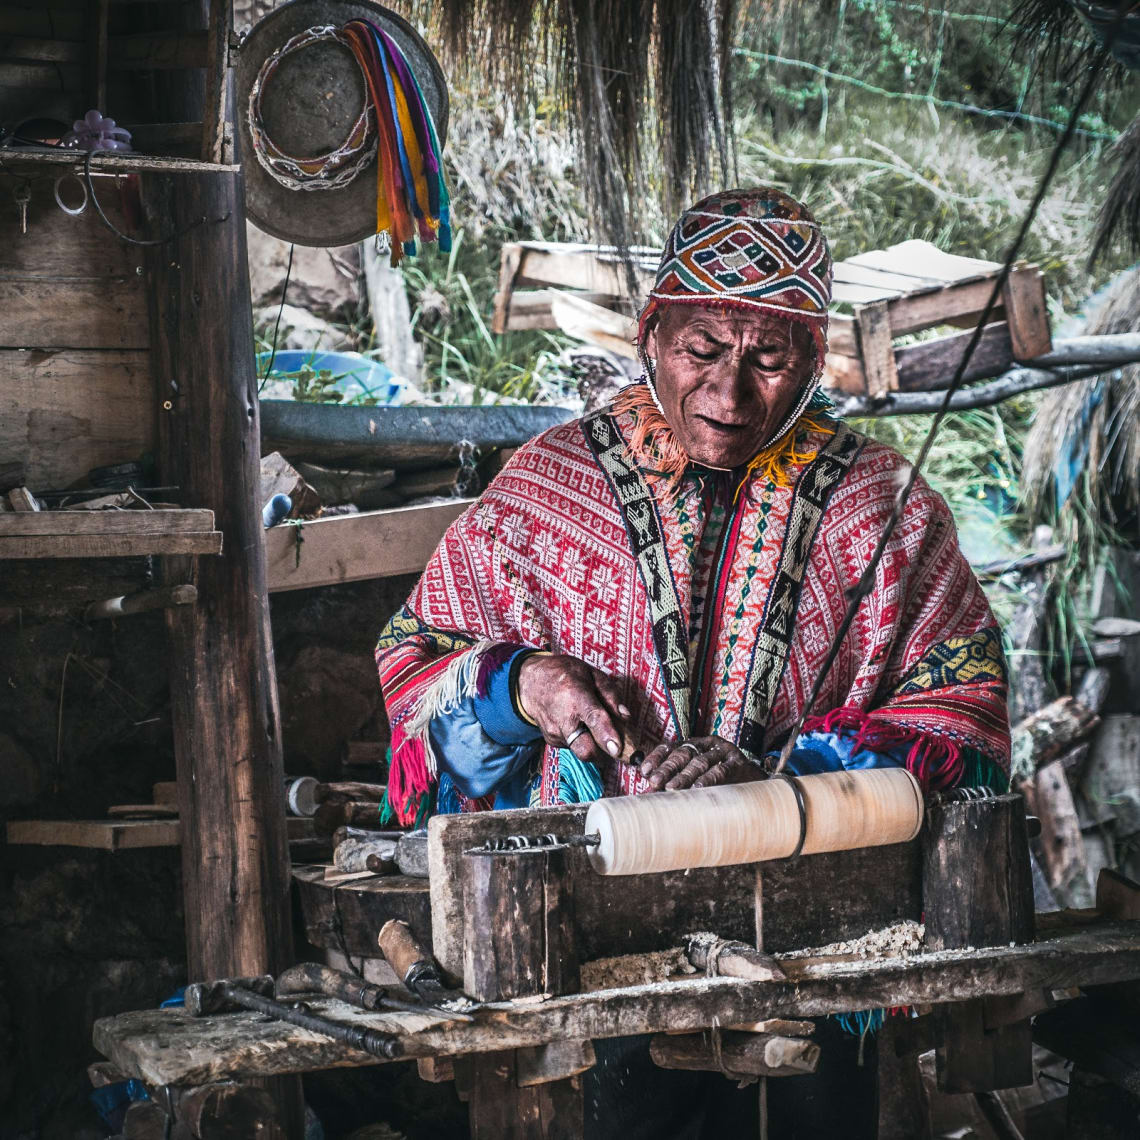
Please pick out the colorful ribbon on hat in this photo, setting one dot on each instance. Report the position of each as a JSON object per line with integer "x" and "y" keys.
{"x": 411, "y": 194}
{"x": 396, "y": 124}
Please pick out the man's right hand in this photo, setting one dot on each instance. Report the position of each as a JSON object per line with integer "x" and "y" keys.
{"x": 563, "y": 694}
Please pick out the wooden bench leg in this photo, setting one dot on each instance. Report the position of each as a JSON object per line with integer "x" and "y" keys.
{"x": 519, "y": 940}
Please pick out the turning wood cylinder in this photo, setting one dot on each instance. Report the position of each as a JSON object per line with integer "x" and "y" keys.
{"x": 754, "y": 822}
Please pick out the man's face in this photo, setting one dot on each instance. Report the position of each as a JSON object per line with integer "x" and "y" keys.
{"x": 727, "y": 377}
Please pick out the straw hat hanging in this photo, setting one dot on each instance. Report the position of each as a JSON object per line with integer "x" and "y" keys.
{"x": 343, "y": 114}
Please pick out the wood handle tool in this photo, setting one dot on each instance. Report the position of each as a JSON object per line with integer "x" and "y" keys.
{"x": 204, "y": 998}
{"x": 417, "y": 969}
{"x": 317, "y": 978}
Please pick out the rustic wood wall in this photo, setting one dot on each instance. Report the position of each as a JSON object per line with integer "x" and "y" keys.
{"x": 75, "y": 385}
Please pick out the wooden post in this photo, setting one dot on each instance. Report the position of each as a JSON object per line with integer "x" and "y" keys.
{"x": 977, "y": 891}
{"x": 227, "y": 732}
{"x": 519, "y": 940}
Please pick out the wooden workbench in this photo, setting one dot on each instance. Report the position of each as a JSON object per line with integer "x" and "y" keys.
{"x": 169, "y": 1047}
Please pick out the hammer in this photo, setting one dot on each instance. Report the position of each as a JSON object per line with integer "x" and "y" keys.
{"x": 317, "y": 978}
{"x": 204, "y": 998}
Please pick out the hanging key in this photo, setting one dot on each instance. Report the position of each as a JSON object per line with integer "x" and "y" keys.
{"x": 23, "y": 195}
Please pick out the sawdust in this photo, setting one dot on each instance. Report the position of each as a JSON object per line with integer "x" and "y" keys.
{"x": 634, "y": 969}
{"x": 900, "y": 940}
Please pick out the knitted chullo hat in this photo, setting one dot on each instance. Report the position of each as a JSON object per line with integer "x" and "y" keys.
{"x": 752, "y": 249}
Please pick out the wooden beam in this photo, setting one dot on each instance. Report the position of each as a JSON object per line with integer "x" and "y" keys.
{"x": 170, "y": 1047}
{"x": 100, "y": 834}
{"x": 107, "y": 546}
{"x": 226, "y": 720}
{"x": 151, "y": 51}
{"x": 1027, "y": 313}
{"x": 135, "y": 523}
{"x": 352, "y": 548}
{"x": 101, "y": 312}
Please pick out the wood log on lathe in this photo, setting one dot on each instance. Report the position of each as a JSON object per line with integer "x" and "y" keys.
{"x": 754, "y": 822}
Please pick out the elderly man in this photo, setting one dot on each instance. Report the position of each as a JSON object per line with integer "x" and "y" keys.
{"x": 660, "y": 582}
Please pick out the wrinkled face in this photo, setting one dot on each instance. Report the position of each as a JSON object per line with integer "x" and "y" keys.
{"x": 727, "y": 377}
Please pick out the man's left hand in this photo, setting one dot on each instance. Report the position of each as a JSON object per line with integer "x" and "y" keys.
{"x": 700, "y": 762}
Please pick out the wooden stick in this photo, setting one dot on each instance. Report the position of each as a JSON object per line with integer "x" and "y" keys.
{"x": 1011, "y": 383}
{"x": 144, "y": 601}
{"x": 733, "y": 959}
{"x": 752, "y": 1054}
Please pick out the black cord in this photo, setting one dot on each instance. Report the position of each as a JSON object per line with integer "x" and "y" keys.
{"x": 277, "y": 324}
{"x": 866, "y": 581}
{"x": 117, "y": 232}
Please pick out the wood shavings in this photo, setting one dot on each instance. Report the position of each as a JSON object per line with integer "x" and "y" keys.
{"x": 634, "y": 969}
{"x": 900, "y": 940}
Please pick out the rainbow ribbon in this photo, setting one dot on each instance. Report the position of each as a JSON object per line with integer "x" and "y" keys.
{"x": 411, "y": 193}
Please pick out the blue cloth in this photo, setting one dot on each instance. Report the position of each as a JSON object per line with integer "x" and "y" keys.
{"x": 484, "y": 745}
{"x": 835, "y": 752}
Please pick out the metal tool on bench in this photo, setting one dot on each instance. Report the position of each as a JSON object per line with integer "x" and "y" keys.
{"x": 317, "y": 978}
{"x": 417, "y": 969}
{"x": 256, "y": 994}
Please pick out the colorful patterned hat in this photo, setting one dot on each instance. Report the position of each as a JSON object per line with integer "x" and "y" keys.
{"x": 757, "y": 248}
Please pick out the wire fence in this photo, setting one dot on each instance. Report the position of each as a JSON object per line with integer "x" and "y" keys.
{"x": 915, "y": 97}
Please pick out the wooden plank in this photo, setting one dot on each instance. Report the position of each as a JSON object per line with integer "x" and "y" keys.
{"x": 1027, "y": 313}
{"x": 37, "y": 48}
{"x": 170, "y": 1047}
{"x": 921, "y": 259}
{"x": 351, "y": 548}
{"x": 152, "y": 51}
{"x": 107, "y": 162}
{"x": 826, "y": 898}
{"x": 850, "y": 273}
{"x": 874, "y": 325}
{"x": 42, "y": 21}
{"x": 594, "y": 324}
{"x": 347, "y": 916}
{"x": 216, "y": 61}
{"x": 108, "y": 546}
{"x": 1049, "y": 797}
{"x": 842, "y": 337}
{"x": 109, "y": 313}
{"x": 62, "y": 247}
{"x": 576, "y": 268}
{"x": 533, "y": 308}
{"x": 48, "y": 76}
{"x": 510, "y": 256}
{"x": 101, "y": 834}
{"x": 912, "y": 314}
{"x": 157, "y": 522}
{"x": 930, "y": 365}
{"x": 843, "y": 294}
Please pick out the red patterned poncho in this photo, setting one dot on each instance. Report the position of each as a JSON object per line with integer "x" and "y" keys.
{"x": 577, "y": 548}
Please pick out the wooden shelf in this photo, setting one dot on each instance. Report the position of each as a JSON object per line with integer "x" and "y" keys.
{"x": 114, "y": 834}
{"x": 100, "y": 834}
{"x": 352, "y": 548}
{"x": 107, "y": 534}
{"x": 113, "y": 162}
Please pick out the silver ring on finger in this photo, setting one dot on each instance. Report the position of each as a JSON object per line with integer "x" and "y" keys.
{"x": 690, "y": 744}
{"x": 581, "y": 730}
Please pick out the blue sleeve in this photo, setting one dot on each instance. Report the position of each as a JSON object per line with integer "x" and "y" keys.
{"x": 483, "y": 744}
{"x": 835, "y": 752}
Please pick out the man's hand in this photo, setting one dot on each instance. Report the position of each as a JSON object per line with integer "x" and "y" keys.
{"x": 563, "y": 695}
{"x": 697, "y": 763}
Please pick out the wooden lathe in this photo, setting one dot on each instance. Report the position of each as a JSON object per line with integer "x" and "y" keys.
{"x": 523, "y": 927}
